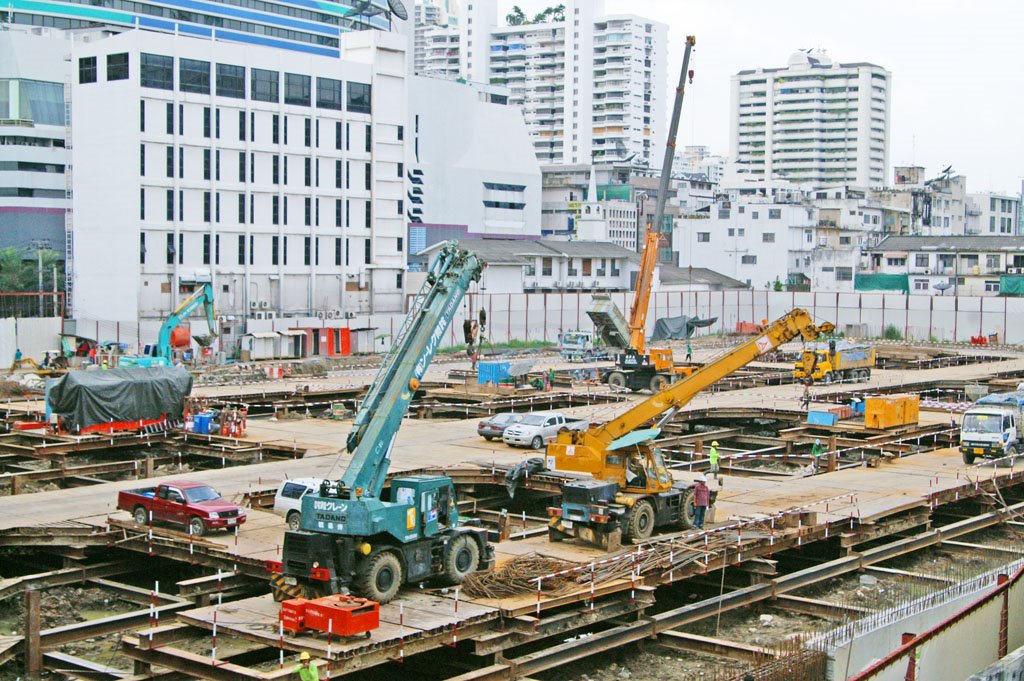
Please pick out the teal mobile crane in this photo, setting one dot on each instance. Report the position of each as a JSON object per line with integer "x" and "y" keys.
{"x": 351, "y": 538}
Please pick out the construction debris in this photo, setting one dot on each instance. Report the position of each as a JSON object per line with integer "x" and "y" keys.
{"x": 519, "y": 576}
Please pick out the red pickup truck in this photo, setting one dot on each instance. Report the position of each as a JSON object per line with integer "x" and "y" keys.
{"x": 193, "y": 505}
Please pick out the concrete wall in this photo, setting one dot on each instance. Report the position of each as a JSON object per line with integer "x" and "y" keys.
{"x": 1010, "y": 668}
{"x": 33, "y": 335}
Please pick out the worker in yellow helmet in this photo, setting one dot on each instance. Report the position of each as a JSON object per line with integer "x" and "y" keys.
{"x": 307, "y": 668}
{"x": 713, "y": 459}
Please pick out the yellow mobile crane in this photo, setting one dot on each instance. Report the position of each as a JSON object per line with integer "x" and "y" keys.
{"x": 632, "y": 490}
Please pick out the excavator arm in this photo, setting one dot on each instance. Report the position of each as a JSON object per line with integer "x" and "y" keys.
{"x": 202, "y": 296}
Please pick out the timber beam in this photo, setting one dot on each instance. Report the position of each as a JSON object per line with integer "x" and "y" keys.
{"x": 920, "y": 577}
{"x": 718, "y": 647}
{"x": 818, "y": 608}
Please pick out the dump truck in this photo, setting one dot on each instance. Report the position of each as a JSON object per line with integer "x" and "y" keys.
{"x": 992, "y": 427}
{"x": 835, "y": 362}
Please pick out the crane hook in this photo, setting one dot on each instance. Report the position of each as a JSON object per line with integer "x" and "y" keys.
{"x": 690, "y": 74}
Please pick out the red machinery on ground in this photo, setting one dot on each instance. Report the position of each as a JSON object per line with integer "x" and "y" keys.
{"x": 336, "y": 615}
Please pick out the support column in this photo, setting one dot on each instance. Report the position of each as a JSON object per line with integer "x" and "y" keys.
{"x": 33, "y": 653}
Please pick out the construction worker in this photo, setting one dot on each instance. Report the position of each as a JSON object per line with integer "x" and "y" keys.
{"x": 689, "y": 351}
{"x": 701, "y": 501}
{"x": 805, "y": 399}
{"x": 713, "y": 459}
{"x": 307, "y": 668}
{"x": 817, "y": 451}
{"x": 17, "y": 356}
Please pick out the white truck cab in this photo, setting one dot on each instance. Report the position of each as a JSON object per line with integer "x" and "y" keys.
{"x": 992, "y": 427}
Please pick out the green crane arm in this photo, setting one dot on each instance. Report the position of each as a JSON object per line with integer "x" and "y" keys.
{"x": 381, "y": 413}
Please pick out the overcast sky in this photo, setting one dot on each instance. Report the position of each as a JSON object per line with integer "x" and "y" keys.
{"x": 957, "y": 86}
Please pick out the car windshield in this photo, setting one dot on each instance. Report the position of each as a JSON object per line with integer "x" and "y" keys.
{"x": 204, "y": 493}
{"x": 534, "y": 420}
{"x": 982, "y": 423}
{"x": 501, "y": 419}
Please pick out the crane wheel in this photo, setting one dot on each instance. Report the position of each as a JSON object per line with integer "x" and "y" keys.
{"x": 379, "y": 576}
{"x": 658, "y": 383}
{"x": 641, "y": 520}
{"x": 463, "y": 558}
{"x": 616, "y": 379}
{"x": 686, "y": 511}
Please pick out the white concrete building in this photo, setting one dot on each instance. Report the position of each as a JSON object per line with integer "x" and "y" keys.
{"x": 440, "y": 53}
{"x": 992, "y": 213}
{"x": 590, "y": 86}
{"x": 952, "y": 265}
{"x": 611, "y": 221}
{"x": 33, "y": 131}
{"x": 470, "y": 161}
{"x": 276, "y": 176}
{"x": 814, "y": 121}
{"x": 426, "y": 15}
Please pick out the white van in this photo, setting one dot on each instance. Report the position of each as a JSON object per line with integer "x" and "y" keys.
{"x": 288, "y": 500}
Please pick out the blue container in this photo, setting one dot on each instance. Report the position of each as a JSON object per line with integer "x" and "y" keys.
{"x": 494, "y": 372}
{"x": 858, "y": 406}
{"x": 201, "y": 423}
{"x": 821, "y": 418}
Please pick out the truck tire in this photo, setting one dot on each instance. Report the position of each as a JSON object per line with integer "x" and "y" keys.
{"x": 488, "y": 437}
{"x": 140, "y": 515}
{"x": 380, "y": 576}
{"x": 968, "y": 458}
{"x": 641, "y": 520}
{"x": 196, "y": 526}
{"x": 658, "y": 383}
{"x": 537, "y": 442}
{"x": 616, "y": 379}
{"x": 294, "y": 520}
{"x": 462, "y": 559}
{"x": 686, "y": 511}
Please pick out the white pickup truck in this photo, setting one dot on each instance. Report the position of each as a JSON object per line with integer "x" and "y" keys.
{"x": 539, "y": 428}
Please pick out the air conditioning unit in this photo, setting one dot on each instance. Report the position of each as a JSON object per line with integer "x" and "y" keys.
{"x": 350, "y": 315}
{"x": 337, "y": 313}
{"x": 330, "y": 314}
{"x": 1015, "y": 270}
{"x": 320, "y": 314}
{"x": 264, "y": 305}
{"x": 221, "y": 319}
{"x": 254, "y": 304}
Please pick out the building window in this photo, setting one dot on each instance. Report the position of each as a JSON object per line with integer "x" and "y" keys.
{"x": 170, "y": 248}
{"x": 275, "y": 210}
{"x": 308, "y": 172}
{"x": 337, "y": 135}
{"x": 368, "y": 216}
{"x": 401, "y": 133}
{"x": 216, "y": 123}
{"x": 337, "y": 251}
{"x": 398, "y": 280}
{"x": 264, "y": 86}
{"x": 337, "y": 212}
{"x": 723, "y": 214}
{"x": 774, "y": 213}
{"x": 206, "y": 209}
{"x": 156, "y": 71}
{"x": 920, "y": 284}
{"x": 844, "y": 274}
{"x": 206, "y": 249}
{"x": 921, "y": 260}
{"x": 241, "y": 126}
{"x": 845, "y": 240}
{"x": 358, "y": 97}
{"x": 992, "y": 286}
{"x": 367, "y": 178}
{"x": 328, "y": 94}
{"x": 337, "y": 174}
{"x": 749, "y": 259}
{"x": 206, "y": 164}
{"x": 206, "y": 121}
{"x": 142, "y": 160}
{"x": 170, "y": 118}
{"x": 369, "y": 139}
{"x": 275, "y": 245}
{"x": 308, "y": 137}
{"x": 241, "y": 210}
{"x": 87, "y": 70}
{"x": 181, "y": 162}
{"x": 308, "y": 212}
{"x": 307, "y": 249}
{"x": 768, "y": 237}
{"x": 703, "y": 237}
{"x": 545, "y": 267}
{"x": 296, "y": 89}
{"x": 142, "y": 115}
{"x": 231, "y": 81}
{"x": 170, "y": 161}
{"x": 170, "y": 205}
{"x": 142, "y": 203}
{"x": 142, "y": 248}
{"x": 241, "y": 166}
{"x": 896, "y": 262}
{"x": 117, "y": 66}
{"x": 992, "y": 262}
{"x": 366, "y": 251}
{"x": 275, "y": 129}
{"x": 241, "y": 249}
{"x": 754, "y": 215}
{"x": 275, "y": 169}
{"x": 194, "y": 76}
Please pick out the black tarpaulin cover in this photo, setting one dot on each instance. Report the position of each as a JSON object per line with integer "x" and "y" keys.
{"x": 88, "y": 398}
{"x": 677, "y": 328}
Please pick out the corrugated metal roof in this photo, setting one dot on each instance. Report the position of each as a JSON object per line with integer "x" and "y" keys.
{"x": 1003, "y": 242}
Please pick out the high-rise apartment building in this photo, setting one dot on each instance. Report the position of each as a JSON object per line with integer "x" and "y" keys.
{"x": 591, "y": 86}
{"x": 814, "y": 121}
{"x": 276, "y": 176}
{"x": 33, "y": 153}
{"x": 436, "y": 42}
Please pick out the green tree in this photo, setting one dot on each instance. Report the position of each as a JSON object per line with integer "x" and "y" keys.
{"x": 19, "y": 270}
{"x": 516, "y": 17}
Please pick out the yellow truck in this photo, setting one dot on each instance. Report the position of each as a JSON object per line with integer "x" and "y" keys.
{"x": 835, "y": 362}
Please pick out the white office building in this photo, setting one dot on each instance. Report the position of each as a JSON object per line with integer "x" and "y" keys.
{"x": 470, "y": 163}
{"x": 33, "y": 150}
{"x": 276, "y": 176}
{"x": 436, "y": 41}
{"x": 814, "y": 121}
{"x": 992, "y": 213}
{"x": 591, "y": 86}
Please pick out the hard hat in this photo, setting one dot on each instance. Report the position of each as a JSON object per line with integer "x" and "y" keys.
{"x": 304, "y": 656}
{"x": 715, "y": 443}
{"x": 817, "y": 441}
{"x": 701, "y": 478}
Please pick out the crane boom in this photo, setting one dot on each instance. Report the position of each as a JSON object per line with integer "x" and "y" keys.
{"x": 380, "y": 415}
{"x": 202, "y": 296}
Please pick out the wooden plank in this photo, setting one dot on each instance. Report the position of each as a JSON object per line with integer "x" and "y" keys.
{"x": 718, "y": 647}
